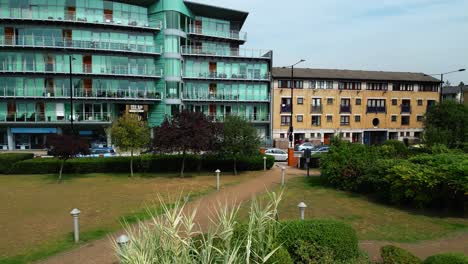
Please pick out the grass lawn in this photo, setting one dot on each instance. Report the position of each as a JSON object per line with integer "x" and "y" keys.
{"x": 34, "y": 211}
{"x": 371, "y": 220}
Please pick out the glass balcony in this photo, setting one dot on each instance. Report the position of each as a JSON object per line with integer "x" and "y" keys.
{"x": 64, "y": 43}
{"x": 224, "y": 76}
{"x": 229, "y": 52}
{"x": 224, "y": 97}
{"x": 224, "y": 34}
{"x": 94, "y": 69}
{"x": 92, "y": 17}
{"x": 254, "y": 118}
{"x": 316, "y": 109}
{"x": 52, "y": 118}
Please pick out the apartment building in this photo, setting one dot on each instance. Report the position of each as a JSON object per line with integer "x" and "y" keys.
{"x": 361, "y": 106}
{"x": 92, "y": 61}
{"x": 458, "y": 94}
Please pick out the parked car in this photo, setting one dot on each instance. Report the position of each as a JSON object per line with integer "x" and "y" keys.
{"x": 101, "y": 153}
{"x": 320, "y": 149}
{"x": 304, "y": 146}
{"x": 280, "y": 155}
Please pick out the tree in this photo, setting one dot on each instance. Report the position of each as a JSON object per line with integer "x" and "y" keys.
{"x": 240, "y": 139}
{"x": 447, "y": 124}
{"x": 129, "y": 133}
{"x": 65, "y": 147}
{"x": 186, "y": 132}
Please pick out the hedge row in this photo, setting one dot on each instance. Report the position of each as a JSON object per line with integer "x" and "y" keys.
{"x": 393, "y": 255}
{"x": 144, "y": 163}
{"x": 7, "y": 160}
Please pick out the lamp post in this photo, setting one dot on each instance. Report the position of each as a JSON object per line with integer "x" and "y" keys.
{"x": 291, "y": 128}
{"x": 442, "y": 81}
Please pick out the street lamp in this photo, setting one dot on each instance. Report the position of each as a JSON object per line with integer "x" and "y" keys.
{"x": 442, "y": 81}
{"x": 291, "y": 128}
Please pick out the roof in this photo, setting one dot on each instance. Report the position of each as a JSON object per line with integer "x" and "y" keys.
{"x": 453, "y": 89}
{"x": 305, "y": 73}
{"x": 218, "y": 12}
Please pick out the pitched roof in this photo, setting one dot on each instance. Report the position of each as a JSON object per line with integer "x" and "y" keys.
{"x": 305, "y": 73}
{"x": 453, "y": 89}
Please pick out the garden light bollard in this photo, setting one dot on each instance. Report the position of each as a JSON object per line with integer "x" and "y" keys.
{"x": 283, "y": 169}
{"x": 122, "y": 241}
{"x": 217, "y": 179}
{"x": 264, "y": 163}
{"x": 76, "y": 228}
{"x": 302, "y": 206}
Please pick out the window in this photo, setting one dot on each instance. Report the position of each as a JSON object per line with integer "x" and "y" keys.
{"x": 429, "y": 87}
{"x": 329, "y": 119}
{"x": 284, "y": 84}
{"x": 358, "y": 101}
{"x": 312, "y": 85}
{"x": 408, "y": 134}
{"x": 345, "y": 106}
{"x": 394, "y": 118}
{"x": 285, "y": 105}
{"x": 282, "y": 135}
{"x": 329, "y": 101}
{"x": 402, "y": 134}
{"x": 344, "y": 120}
{"x": 285, "y": 120}
{"x": 300, "y": 100}
{"x": 394, "y": 101}
{"x": 316, "y": 106}
{"x": 349, "y": 85}
{"x": 405, "y": 120}
{"x": 419, "y": 118}
{"x": 322, "y": 84}
{"x": 377, "y": 86}
{"x": 312, "y": 135}
{"x": 376, "y": 106}
{"x": 403, "y": 87}
{"x": 298, "y": 84}
{"x": 420, "y": 102}
{"x": 316, "y": 120}
{"x": 300, "y": 118}
{"x": 357, "y": 119}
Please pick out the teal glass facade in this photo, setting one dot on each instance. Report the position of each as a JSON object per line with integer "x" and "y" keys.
{"x": 167, "y": 55}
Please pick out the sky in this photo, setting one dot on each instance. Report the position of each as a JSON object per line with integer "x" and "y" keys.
{"x": 429, "y": 36}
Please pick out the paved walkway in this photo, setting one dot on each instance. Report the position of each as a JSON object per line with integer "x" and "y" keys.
{"x": 101, "y": 252}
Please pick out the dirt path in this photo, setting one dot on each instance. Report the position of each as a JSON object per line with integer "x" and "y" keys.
{"x": 101, "y": 252}
{"x": 423, "y": 249}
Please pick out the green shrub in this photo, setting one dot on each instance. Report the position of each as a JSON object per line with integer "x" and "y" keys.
{"x": 281, "y": 256}
{"x": 393, "y": 148}
{"x": 396, "y": 255}
{"x": 7, "y": 160}
{"x": 447, "y": 258}
{"x": 340, "y": 239}
{"x": 311, "y": 253}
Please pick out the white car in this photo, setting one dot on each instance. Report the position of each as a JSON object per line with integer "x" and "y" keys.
{"x": 280, "y": 155}
{"x": 304, "y": 146}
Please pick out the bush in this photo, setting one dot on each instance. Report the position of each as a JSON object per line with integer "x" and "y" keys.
{"x": 396, "y": 255}
{"x": 281, "y": 256}
{"x": 394, "y": 148}
{"x": 452, "y": 258}
{"x": 338, "y": 238}
{"x": 7, "y": 160}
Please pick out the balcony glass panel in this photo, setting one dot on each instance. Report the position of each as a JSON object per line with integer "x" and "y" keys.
{"x": 225, "y": 52}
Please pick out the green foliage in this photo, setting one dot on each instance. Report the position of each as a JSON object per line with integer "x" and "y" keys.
{"x": 394, "y": 148}
{"x": 447, "y": 258}
{"x": 281, "y": 256}
{"x": 311, "y": 253}
{"x": 338, "y": 239}
{"x": 396, "y": 255}
{"x": 447, "y": 124}
{"x": 7, "y": 160}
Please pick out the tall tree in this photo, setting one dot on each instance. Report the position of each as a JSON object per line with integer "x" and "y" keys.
{"x": 185, "y": 132}
{"x": 65, "y": 147}
{"x": 447, "y": 124}
{"x": 239, "y": 139}
{"x": 129, "y": 133}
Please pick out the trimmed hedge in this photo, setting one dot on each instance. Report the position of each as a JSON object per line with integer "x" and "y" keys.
{"x": 7, "y": 160}
{"x": 144, "y": 163}
{"x": 396, "y": 255}
{"x": 452, "y": 258}
{"x": 337, "y": 237}
{"x": 281, "y": 256}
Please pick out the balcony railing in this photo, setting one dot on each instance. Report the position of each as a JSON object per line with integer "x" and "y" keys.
{"x": 406, "y": 109}
{"x": 79, "y": 17}
{"x": 345, "y": 109}
{"x": 316, "y": 109}
{"x": 226, "y": 34}
{"x": 224, "y": 97}
{"x": 285, "y": 108}
{"x": 94, "y": 69}
{"x": 34, "y": 41}
{"x": 225, "y": 76}
{"x": 254, "y": 118}
{"x": 52, "y": 118}
{"x": 376, "y": 109}
{"x": 229, "y": 52}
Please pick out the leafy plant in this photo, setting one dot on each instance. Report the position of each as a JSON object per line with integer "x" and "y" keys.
{"x": 452, "y": 258}
{"x": 393, "y": 255}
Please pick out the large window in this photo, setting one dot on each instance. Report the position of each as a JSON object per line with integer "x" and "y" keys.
{"x": 316, "y": 120}
{"x": 321, "y": 84}
{"x": 376, "y": 106}
{"x": 403, "y": 87}
{"x": 377, "y": 86}
{"x": 344, "y": 120}
{"x": 349, "y": 86}
{"x": 285, "y": 120}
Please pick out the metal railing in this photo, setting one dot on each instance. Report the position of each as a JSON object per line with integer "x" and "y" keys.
{"x": 376, "y": 109}
{"x": 79, "y": 17}
{"x": 225, "y": 76}
{"x": 254, "y": 118}
{"x": 345, "y": 108}
{"x": 405, "y": 109}
{"x": 223, "y": 97}
{"x": 94, "y": 69}
{"x": 227, "y": 34}
{"x": 52, "y": 118}
{"x": 66, "y": 43}
{"x": 316, "y": 109}
{"x": 285, "y": 108}
{"x": 229, "y": 52}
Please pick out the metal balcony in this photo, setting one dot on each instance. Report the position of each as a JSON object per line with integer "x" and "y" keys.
{"x": 226, "y": 53}
{"x": 220, "y": 34}
{"x": 405, "y": 109}
{"x": 345, "y": 109}
{"x": 376, "y": 109}
{"x": 52, "y": 118}
{"x": 285, "y": 108}
{"x": 316, "y": 109}
{"x": 224, "y": 76}
{"x": 224, "y": 98}
{"x": 253, "y": 118}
